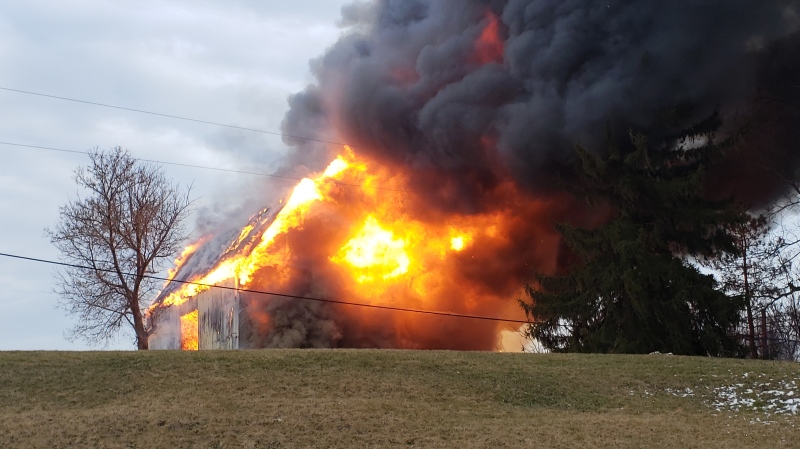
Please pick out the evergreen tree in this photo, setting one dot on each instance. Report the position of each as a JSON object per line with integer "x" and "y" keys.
{"x": 633, "y": 288}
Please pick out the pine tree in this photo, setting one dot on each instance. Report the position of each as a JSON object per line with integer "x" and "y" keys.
{"x": 633, "y": 288}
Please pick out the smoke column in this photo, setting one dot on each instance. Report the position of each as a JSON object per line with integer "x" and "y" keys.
{"x": 489, "y": 89}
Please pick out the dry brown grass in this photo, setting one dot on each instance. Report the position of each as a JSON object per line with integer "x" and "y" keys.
{"x": 359, "y": 399}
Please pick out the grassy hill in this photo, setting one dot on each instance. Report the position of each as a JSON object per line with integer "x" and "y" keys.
{"x": 371, "y": 398}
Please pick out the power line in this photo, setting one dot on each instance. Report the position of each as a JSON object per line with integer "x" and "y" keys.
{"x": 204, "y": 167}
{"x": 178, "y": 117}
{"x": 282, "y": 295}
{"x": 207, "y": 122}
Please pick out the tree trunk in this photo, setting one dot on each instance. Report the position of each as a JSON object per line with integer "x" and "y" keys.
{"x": 142, "y": 342}
{"x": 751, "y": 332}
{"x": 751, "y": 328}
{"x": 764, "y": 343}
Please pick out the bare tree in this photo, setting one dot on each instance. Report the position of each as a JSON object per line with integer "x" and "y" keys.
{"x": 122, "y": 232}
{"x": 781, "y": 308}
{"x": 750, "y": 272}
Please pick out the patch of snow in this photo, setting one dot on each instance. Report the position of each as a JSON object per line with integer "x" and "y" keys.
{"x": 774, "y": 397}
{"x": 755, "y": 393}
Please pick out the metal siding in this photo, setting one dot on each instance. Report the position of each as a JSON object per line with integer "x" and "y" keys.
{"x": 218, "y": 324}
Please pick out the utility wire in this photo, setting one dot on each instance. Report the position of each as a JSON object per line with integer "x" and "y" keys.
{"x": 282, "y": 295}
{"x": 178, "y": 117}
{"x": 204, "y": 167}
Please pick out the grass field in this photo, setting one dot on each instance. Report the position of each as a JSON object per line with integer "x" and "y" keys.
{"x": 371, "y": 398}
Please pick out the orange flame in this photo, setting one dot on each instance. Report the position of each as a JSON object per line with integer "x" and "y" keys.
{"x": 374, "y": 253}
{"x": 184, "y": 256}
{"x": 189, "y": 331}
{"x": 243, "y": 266}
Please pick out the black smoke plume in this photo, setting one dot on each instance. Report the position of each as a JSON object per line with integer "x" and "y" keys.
{"x": 404, "y": 84}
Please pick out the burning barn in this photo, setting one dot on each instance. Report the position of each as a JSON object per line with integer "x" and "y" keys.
{"x": 344, "y": 234}
{"x": 463, "y": 116}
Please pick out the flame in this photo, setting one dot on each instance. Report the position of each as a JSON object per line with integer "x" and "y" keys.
{"x": 189, "y": 331}
{"x": 242, "y": 235}
{"x": 184, "y": 256}
{"x": 374, "y": 253}
{"x": 489, "y": 46}
{"x": 457, "y": 243}
{"x": 243, "y": 266}
{"x": 357, "y": 231}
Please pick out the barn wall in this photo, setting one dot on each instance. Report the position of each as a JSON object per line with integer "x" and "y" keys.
{"x": 218, "y": 323}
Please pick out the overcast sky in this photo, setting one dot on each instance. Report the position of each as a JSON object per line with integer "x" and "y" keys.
{"x": 233, "y": 62}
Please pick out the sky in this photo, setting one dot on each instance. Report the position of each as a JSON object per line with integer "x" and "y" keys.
{"x": 232, "y": 62}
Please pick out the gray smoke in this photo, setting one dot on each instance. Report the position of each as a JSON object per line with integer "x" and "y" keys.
{"x": 403, "y": 85}
{"x": 292, "y": 324}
